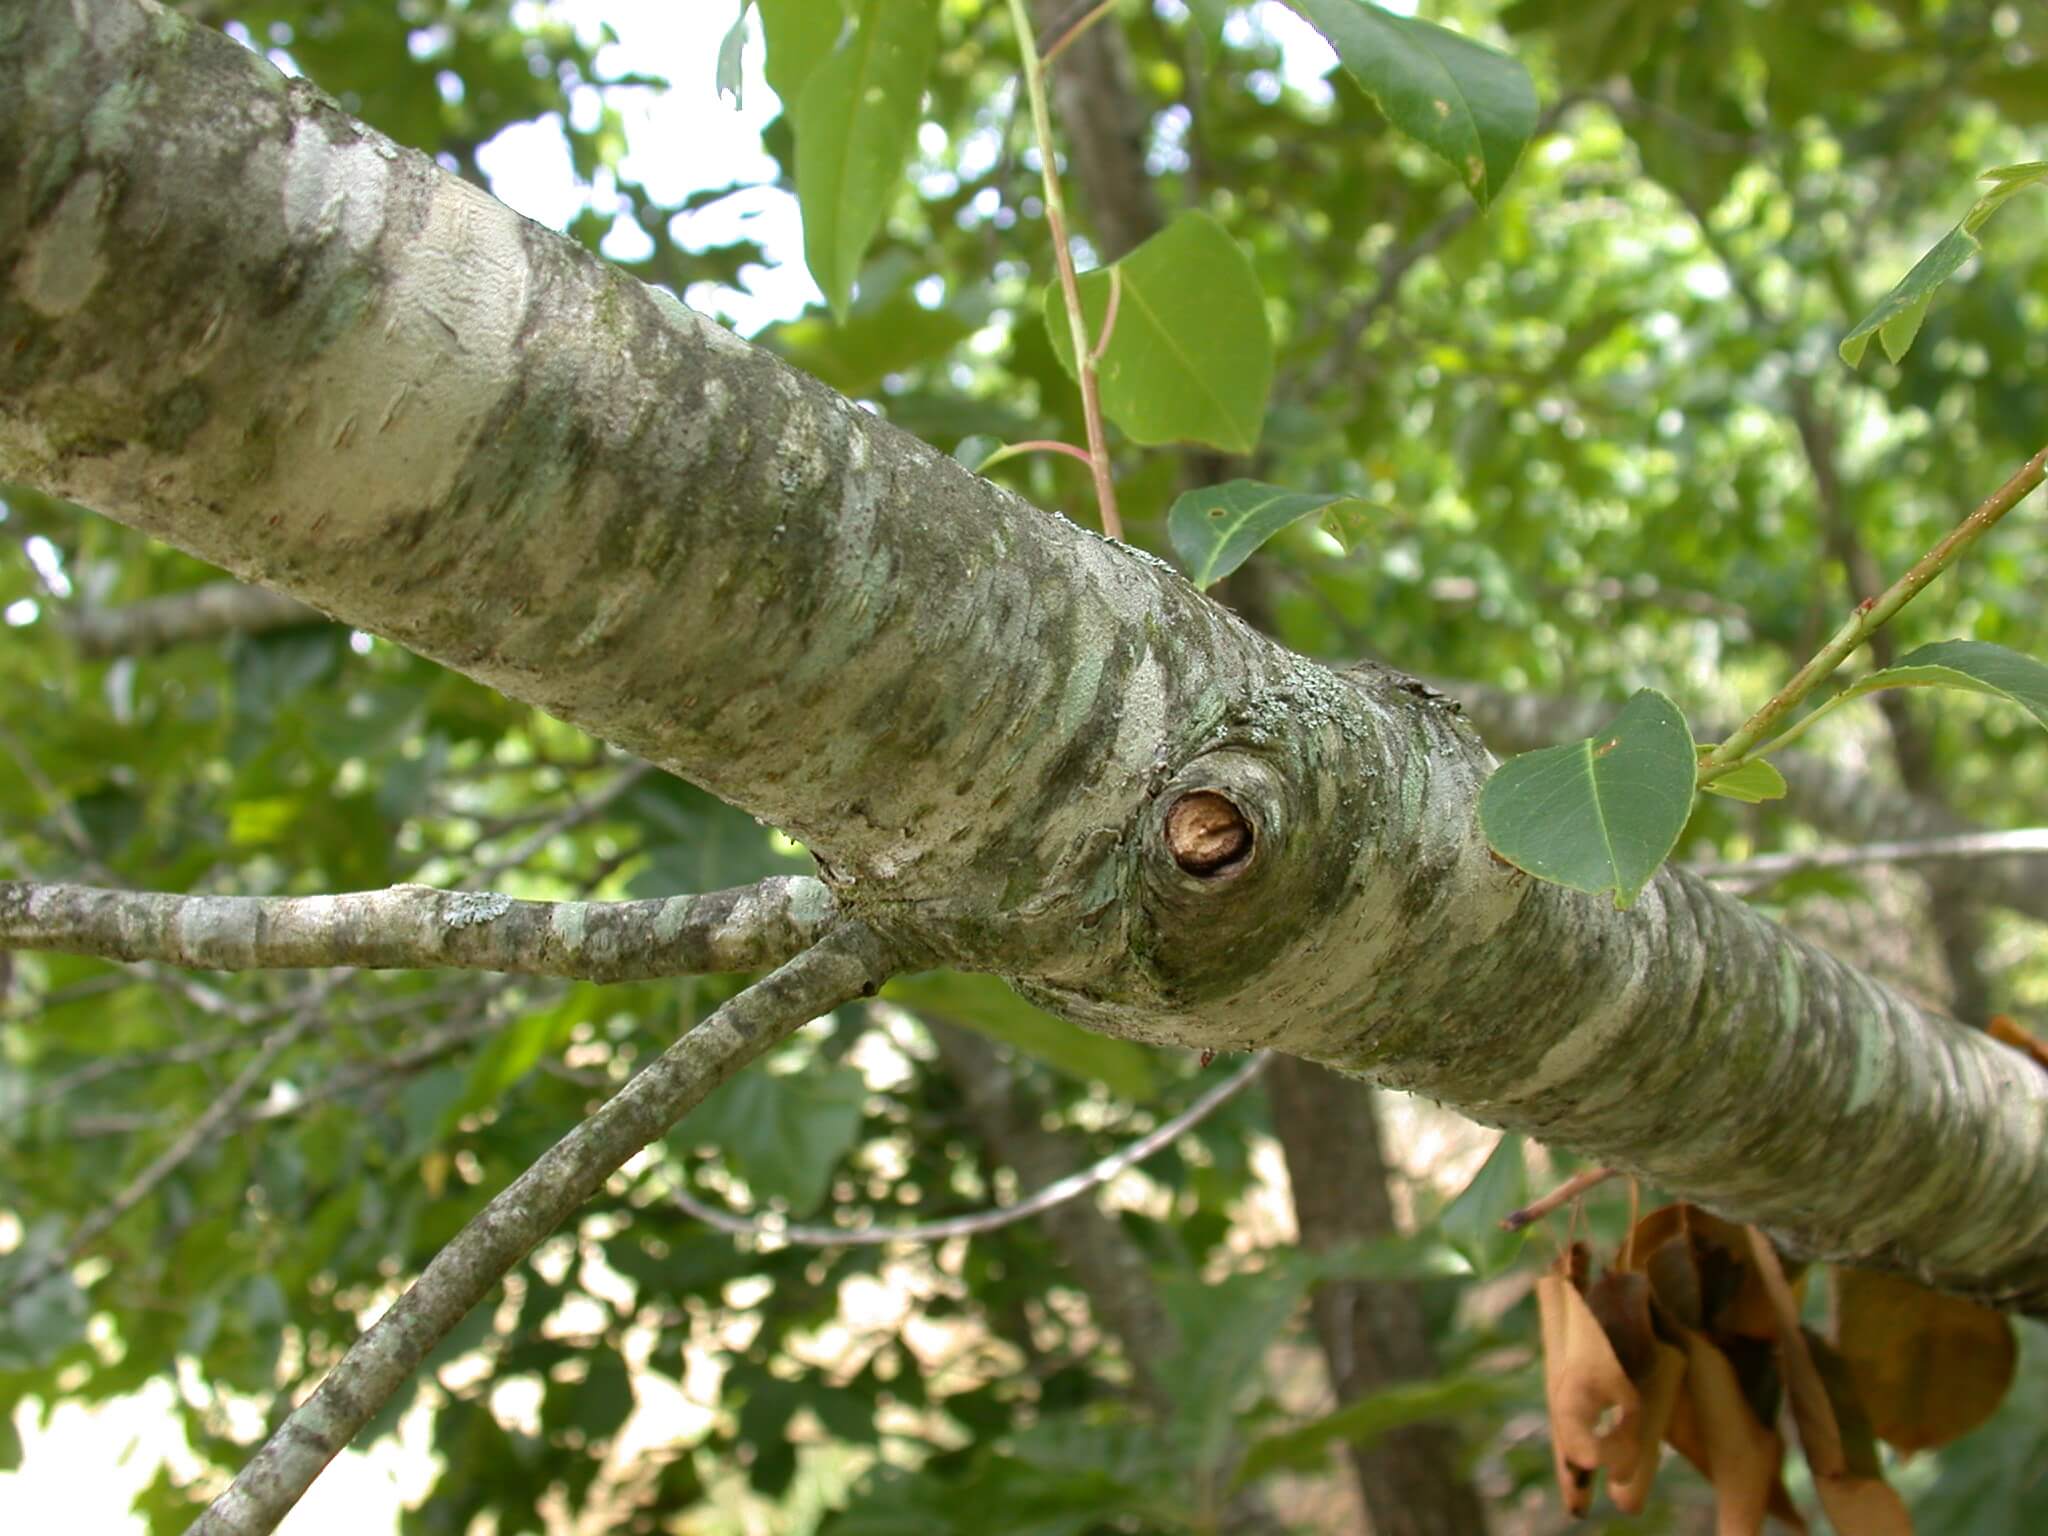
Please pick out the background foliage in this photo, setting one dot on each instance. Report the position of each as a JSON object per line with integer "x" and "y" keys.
{"x": 1598, "y": 438}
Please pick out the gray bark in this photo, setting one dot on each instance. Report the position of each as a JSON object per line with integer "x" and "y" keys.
{"x": 417, "y": 927}
{"x": 243, "y": 323}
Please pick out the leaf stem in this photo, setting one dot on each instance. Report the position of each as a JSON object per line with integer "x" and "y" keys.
{"x": 1072, "y": 33}
{"x": 1063, "y": 258}
{"x": 1036, "y": 445}
{"x": 1869, "y": 616}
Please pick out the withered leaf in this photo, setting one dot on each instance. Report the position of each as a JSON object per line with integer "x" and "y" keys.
{"x": 1593, "y": 1406}
{"x": 1661, "y": 1390}
{"x": 1714, "y": 1427}
{"x": 1927, "y": 1367}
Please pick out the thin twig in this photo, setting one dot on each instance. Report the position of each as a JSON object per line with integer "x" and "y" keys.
{"x": 1069, "y": 33}
{"x": 1868, "y": 616}
{"x": 1919, "y": 850}
{"x": 167, "y": 1162}
{"x": 1063, "y": 259}
{"x": 849, "y": 962}
{"x": 1569, "y": 1190}
{"x": 1056, "y": 1193}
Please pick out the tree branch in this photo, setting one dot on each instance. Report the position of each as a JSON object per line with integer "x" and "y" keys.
{"x": 204, "y": 613}
{"x": 1767, "y": 867}
{"x": 849, "y": 962}
{"x": 1037, "y": 1203}
{"x": 196, "y": 1135}
{"x": 348, "y": 374}
{"x": 415, "y": 927}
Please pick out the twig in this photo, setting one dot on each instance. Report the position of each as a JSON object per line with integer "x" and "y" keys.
{"x": 1066, "y": 34}
{"x": 574, "y": 816}
{"x": 849, "y": 962}
{"x": 202, "y": 613}
{"x": 1063, "y": 259}
{"x": 418, "y": 927}
{"x": 1569, "y": 1190}
{"x": 1056, "y": 1193}
{"x": 168, "y": 1161}
{"x": 1865, "y": 620}
{"x": 1920, "y": 850}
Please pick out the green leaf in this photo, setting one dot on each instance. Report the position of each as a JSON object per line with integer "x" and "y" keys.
{"x": 1600, "y": 814}
{"x": 1895, "y": 320}
{"x": 873, "y": 341}
{"x": 1974, "y": 666}
{"x": 1191, "y": 358}
{"x": 986, "y": 1004}
{"x": 856, "y": 119}
{"x": 1214, "y": 530}
{"x": 800, "y": 35}
{"x": 1306, "y": 1447}
{"x": 730, "y": 49}
{"x": 1471, "y": 1223}
{"x": 1225, "y": 1328}
{"x": 1754, "y": 782}
{"x": 783, "y": 1133}
{"x": 1471, "y": 106}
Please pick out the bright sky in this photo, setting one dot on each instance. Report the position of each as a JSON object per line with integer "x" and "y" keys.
{"x": 83, "y": 1470}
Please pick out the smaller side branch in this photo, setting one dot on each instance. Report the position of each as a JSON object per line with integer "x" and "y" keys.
{"x": 196, "y": 1135}
{"x": 417, "y": 927}
{"x": 1919, "y": 850}
{"x": 1072, "y": 1187}
{"x": 848, "y": 962}
{"x": 1564, "y": 1194}
{"x": 204, "y": 613}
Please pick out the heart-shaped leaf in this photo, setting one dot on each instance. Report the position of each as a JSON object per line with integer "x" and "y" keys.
{"x": 1216, "y": 529}
{"x": 1191, "y": 356}
{"x": 1600, "y": 814}
{"x": 1974, "y": 666}
{"x": 1471, "y": 106}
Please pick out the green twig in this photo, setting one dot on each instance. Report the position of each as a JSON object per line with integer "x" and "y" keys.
{"x": 1869, "y": 616}
{"x": 1070, "y": 290}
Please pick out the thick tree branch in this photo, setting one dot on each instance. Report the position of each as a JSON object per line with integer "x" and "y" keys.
{"x": 344, "y": 373}
{"x": 416, "y": 927}
{"x": 848, "y": 963}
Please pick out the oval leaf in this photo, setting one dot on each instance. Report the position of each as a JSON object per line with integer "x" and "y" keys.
{"x": 1927, "y": 1367}
{"x": 1600, "y": 814}
{"x": 1216, "y": 529}
{"x": 856, "y": 119}
{"x": 1974, "y": 666}
{"x": 1472, "y": 1222}
{"x": 1191, "y": 357}
{"x": 1471, "y": 106}
{"x": 1754, "y": 782}
{"x": 1895, "y": 320}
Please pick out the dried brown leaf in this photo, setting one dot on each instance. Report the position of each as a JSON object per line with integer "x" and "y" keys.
{"x": 1927, "y": 1367}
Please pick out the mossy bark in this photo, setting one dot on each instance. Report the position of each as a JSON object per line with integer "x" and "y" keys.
{"x": 245, "y": 324}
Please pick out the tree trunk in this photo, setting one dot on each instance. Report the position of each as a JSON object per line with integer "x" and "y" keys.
{"x": 1371, "y": 1333}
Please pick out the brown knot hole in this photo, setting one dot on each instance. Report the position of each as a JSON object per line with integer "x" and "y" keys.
{"x": 1206, "y": 834}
